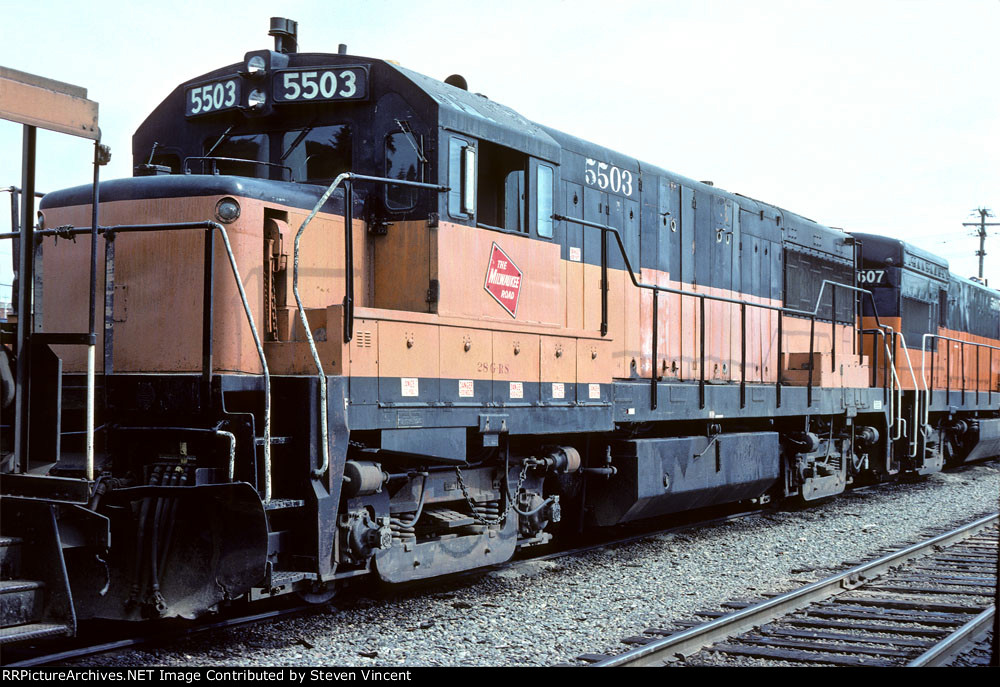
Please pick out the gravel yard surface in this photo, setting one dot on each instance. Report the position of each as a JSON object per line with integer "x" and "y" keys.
{"x": 548, "y": 612}
{"x": 977, "y": 655}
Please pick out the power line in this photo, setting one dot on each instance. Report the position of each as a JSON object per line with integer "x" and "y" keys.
{"x": 982, "y": 224}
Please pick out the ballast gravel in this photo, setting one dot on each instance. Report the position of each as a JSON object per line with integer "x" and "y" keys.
{"x": 547, "y": 612}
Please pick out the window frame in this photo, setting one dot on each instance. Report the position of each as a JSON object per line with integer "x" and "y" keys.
{"x": 541, "y": 212}
{"x": 456, "y": 177}
{"x": 420, "y": 174}
{"x": 307, "y": 179}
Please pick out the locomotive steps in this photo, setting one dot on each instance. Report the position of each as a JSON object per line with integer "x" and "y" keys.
{"x": 24, "y": 605}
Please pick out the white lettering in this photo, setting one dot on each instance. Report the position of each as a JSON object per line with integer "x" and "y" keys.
{"x": 500, "y": 279}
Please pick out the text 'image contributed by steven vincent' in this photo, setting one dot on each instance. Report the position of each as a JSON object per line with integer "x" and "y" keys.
{"x": 207, "y": 675}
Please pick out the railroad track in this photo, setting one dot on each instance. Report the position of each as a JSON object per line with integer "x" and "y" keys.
{"x": 919, "y": 606}
{"x": 78, "y": 648}
{"x": 178, "y": 630}
{"x": 129, "y": 636}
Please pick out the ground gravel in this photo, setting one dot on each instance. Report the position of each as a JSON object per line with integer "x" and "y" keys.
{"x": 548, "y": 612}
{"x": 978, "y": 655}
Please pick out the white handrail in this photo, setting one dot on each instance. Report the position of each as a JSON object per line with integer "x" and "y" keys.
{"x": 895, "y": 393}
{"x": 916, "y": 406}
{"x": 323, "y": 419}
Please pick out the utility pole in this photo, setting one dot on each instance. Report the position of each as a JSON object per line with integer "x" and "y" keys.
{"x": 982, "y": 224}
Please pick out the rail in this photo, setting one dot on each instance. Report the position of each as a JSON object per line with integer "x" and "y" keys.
{"x": 888, "y": 389}
{"x": 26, "y": 276}
{"x": 892, "y": 392}
{"x": 781, "y": 310}
{"x": 929, "y": 385}
{"x": 216, "y": 431}
{"x": 215, "y": 167}
{"x": 109, "y": 233}
{"x": 692, "y": 640}
{"x": 41, "y": 103}
{"x": 15, "y": 213}
{"x": 916, "y": 406}
{"x": 942, "y": 652}
{"x": 347, "y": 178}
{"x": 896, "y": 418}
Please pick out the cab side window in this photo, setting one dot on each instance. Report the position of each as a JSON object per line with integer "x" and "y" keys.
{"x": 493, "y": 184}
{"x": 462, "y": 173}
{"x": 543, "y": 201}
{"x": 502, "y": 189}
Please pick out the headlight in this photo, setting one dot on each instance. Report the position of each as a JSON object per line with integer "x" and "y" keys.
{"x": 227, "y": 210}
{"x": 256, "y": 66}
{"x": 256, "y": 99}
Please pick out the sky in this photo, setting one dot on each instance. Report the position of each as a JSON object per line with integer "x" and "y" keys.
{"x": 882, "y": 117}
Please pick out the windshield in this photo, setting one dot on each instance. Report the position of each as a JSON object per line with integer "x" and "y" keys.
{"x": 317, "y": 154}
{"x": 310, "y": 154}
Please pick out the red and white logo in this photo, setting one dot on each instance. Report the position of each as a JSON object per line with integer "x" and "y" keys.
{"x": 503, "y": 280}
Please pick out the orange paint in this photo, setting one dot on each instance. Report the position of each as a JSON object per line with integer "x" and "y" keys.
{"x": 407, "y": 334}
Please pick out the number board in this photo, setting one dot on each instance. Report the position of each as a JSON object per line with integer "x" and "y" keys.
{"x": 212, "y": 96}
{"x": 871, "y": 277}
{"x": 608, "y": 177}
{"x": 309, "y": 85}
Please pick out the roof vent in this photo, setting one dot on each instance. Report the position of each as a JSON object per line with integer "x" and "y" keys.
{"x": 458, "y": 81}
{"x": 285, "y": 32}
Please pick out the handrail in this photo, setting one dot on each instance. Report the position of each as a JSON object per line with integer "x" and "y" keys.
{"x": 348, "y": 299}
{"x": 898, "y": 385}
{"x": 889, "y": 389}
{"x": 348, "y": 285}
{"x": 722, "y": 299}
{"x": 216, "y": 158}
{"x": 228, "y": 436}
{"x": 930, "y": 387}
{"x": 891, "y": 365}
{"x": 916, "y": 406}
{"x": 895, "y": 394}
{"x": 110, "y": 231}
{"x": 26, "y": 262}
{"x": 91, "y": 349}
{"x": 781, "y": 310}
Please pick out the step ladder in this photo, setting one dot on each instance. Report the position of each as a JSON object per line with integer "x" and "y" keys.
{"x": 24, "y": 613}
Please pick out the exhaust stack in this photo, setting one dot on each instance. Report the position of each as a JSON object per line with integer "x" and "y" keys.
{"x": 285, "y": 32}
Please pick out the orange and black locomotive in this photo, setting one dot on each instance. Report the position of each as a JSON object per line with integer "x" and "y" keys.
{"x": 351, "y": 320}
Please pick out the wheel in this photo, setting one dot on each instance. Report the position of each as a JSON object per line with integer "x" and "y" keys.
{"x": 319, "y": 593}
